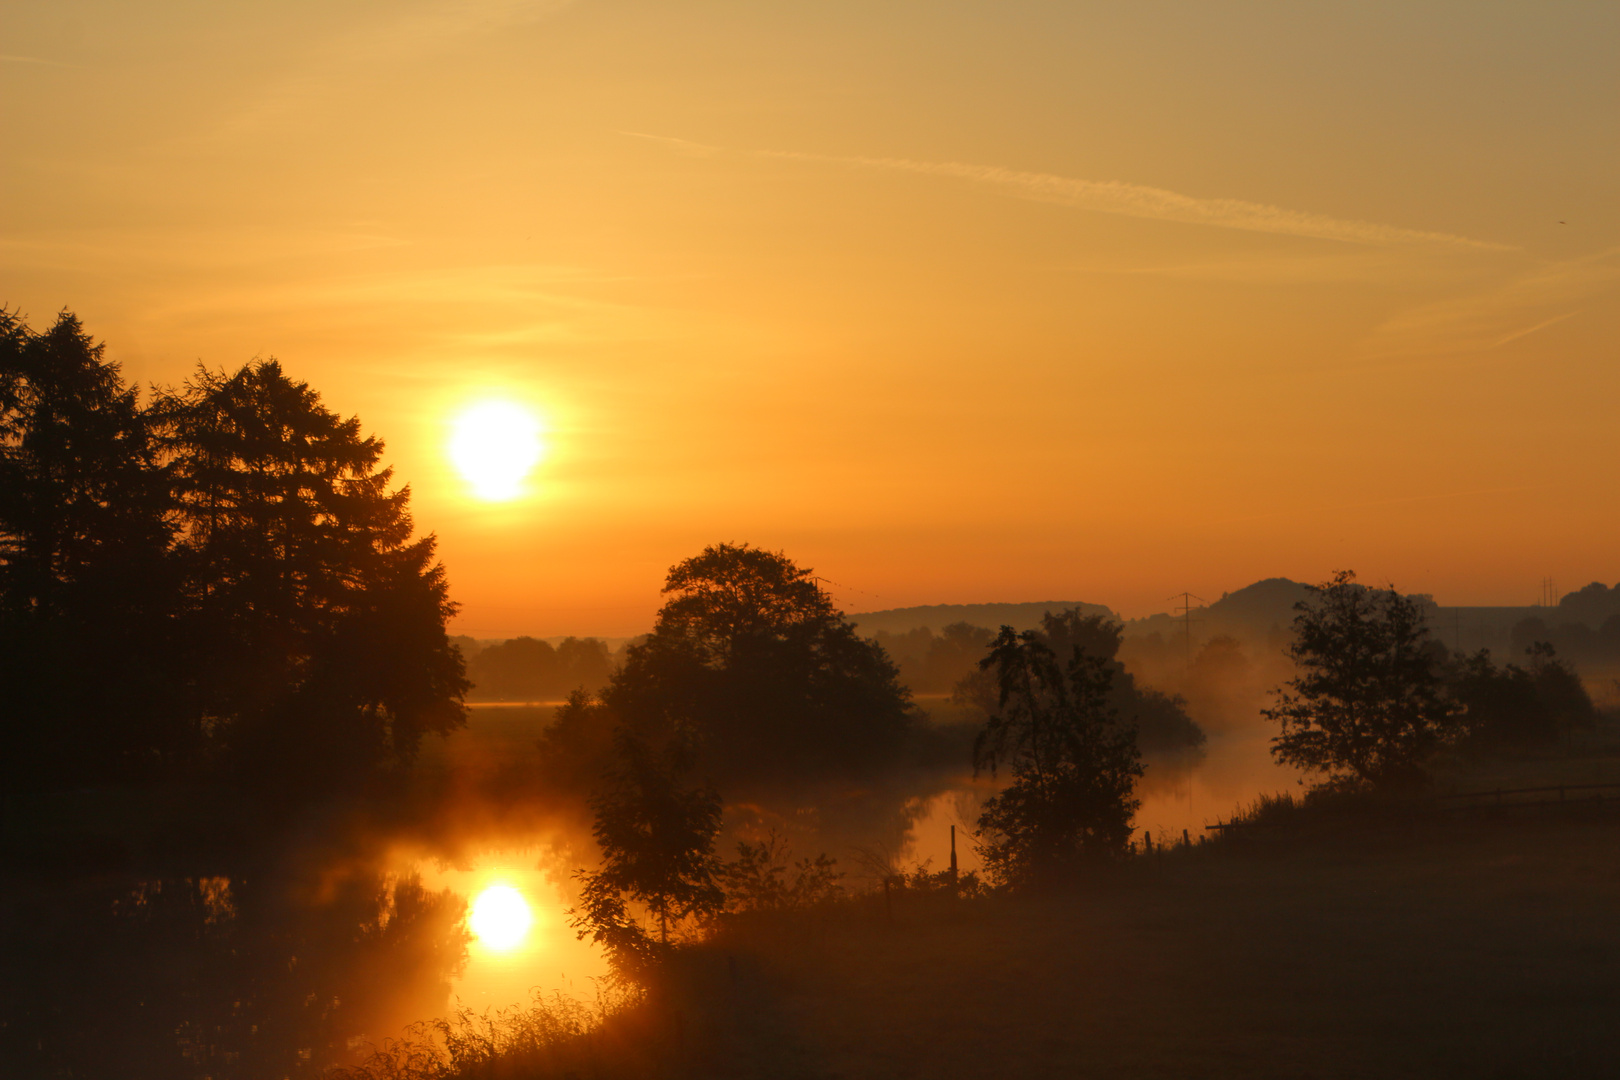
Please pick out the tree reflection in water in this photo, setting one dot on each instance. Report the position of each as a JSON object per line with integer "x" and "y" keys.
{"x": 251, "y": 976}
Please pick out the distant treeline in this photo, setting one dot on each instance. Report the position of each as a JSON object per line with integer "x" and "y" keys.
{"x": 933, "y": 663}
{"x": 1584, "y": 628}
{"x": 528, "y": 669}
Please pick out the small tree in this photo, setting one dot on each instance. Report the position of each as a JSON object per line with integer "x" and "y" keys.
{"x": 1161, "y": 721}
{"x": 1367, "y": 706}
{"x": 757, "y": 880}
{"x": 657, "y": 839}
{"x": 1074, "y": 767}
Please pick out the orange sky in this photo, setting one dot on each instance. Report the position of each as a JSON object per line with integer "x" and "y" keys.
{"x": 954, "y": 302}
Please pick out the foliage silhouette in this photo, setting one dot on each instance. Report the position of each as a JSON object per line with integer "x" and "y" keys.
{"x": 758, "y": 878}
{"x": 553, "y": 1036}
{"x": 930, "y": 663}
{"x": 86, "y": 587}
{"x": 1161, "y": 721}
{"x": 1073, "y": 766}
{"x": 657, "y": 838}
{"x": 753, "y": 669}
{"x": 220, "y": 574}
{"x": 1515, "y": 708}
{"x": 526, "y": 669}
{"x": 322, "y": 621}
{"x": 1367, "y": 705}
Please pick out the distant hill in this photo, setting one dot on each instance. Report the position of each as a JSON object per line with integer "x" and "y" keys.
{"x": 1267, "y": 607}
{"x": 990, "y": 616}
{"x": 1254, "y": 610}
{"x": 1262, "y": 605}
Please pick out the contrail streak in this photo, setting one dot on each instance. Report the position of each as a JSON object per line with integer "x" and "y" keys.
{"x": 1129, "y": 200}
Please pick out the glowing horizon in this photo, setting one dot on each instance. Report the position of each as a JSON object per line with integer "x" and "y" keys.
{"x": 961, "y": 306}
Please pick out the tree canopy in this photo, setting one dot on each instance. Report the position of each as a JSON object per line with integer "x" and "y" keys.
{"x": 527, "y": 669}
{"x": 87, "y": 587}
{"x": 1161, "y": 721}
{"x": 752, "y": 662}
{"x": 1368, "y": 704}
{"x": 223, "y": 572}
{"x": 657, "y": 836}
{"x": 1074, "y": 766}
{"x": 1514, "y": 708}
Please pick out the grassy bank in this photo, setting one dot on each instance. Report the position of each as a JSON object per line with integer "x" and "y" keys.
{"x": 1472, "y": 947}
{"x": 1475, "y": 945}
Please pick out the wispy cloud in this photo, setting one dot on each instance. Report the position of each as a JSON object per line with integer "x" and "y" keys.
{"x": 36, "y": 60}
{"x": 1527, "y": 331}
{"x": 1136, "y": 200}
{"x": 1129, "y": 200}
{"x": 1531, "y": 301}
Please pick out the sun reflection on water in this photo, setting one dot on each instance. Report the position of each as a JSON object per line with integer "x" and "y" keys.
{"x": 500, "y": 918}
{"x": 521, "y": 938}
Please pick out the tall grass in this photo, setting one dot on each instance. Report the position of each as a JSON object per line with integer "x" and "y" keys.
{"x": 554, "y": 1036}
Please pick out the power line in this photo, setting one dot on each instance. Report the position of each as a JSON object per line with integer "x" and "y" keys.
{"x": 847, "y": 588}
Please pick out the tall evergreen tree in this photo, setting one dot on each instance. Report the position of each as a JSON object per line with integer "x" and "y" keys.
{"x": 86, "y": 585}
{"x": 224, "y": 569}
{"x": 319, "y": 621}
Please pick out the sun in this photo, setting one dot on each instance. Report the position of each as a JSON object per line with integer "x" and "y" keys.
{"x": 501, "y": 917}
{"x": 494, "y": 445}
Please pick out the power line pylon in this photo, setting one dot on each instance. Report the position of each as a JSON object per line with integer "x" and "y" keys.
{"x": 1186, "y": 610}
{"x": 1549, "y": 593}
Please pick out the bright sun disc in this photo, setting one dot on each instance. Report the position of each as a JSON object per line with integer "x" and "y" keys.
{"x": 500, "y": 917}
{"x": 494, "y": 446}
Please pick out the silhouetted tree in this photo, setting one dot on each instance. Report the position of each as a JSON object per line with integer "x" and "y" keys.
{"x": 1520, "y": 708}
{"x": 318, "y": 622}
{"x": 225, "y": 568}
{"x": 518, "y": 669}
{"x": 86, "y": 585}
{"x": 1220, "y": 677}
{"x": 1367, "y": 705}
{"x": 578, "y": 745}
{"x": 1073, "y": 766}
{"x": 758, "y": 878}
{"x": 751, "y": 660}
{"x": 1161, "y": 721}
{"x": 657, "y": 838}
{"x": 930, "y": 663}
